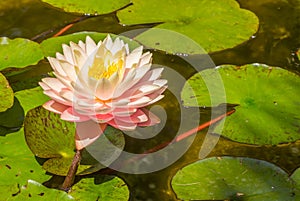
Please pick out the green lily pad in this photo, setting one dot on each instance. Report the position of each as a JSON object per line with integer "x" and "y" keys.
{"x": 50, "y": 137}
{"x": 103, "y": 187}
{"x": 53, "y": 45}
{"x": 268, "y": 98}
{"x": 6, "y": 94}
{"x": 94, "y": 7}
{"x": 224, "y": 26}
{"x": 31, "y": 98}
{"x": 19, "y": 53}
{"x": 17, "y": 165}
{"x": 12, "y": 119}
{"x": 233, "y": 179}
{"x": 36, "y": 191}
{"x": 296, "y": 177}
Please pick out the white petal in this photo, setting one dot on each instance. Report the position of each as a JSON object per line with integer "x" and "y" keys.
{"x": 145, "y": 59}
{"x": 56, "y": 97}
{"x": 64, "y": 80}
{"x": 104, "y": 90}
{"x": 55, "y": 64}
{"x": 69, "y": 70}
{"x": 68, "y": 54}
{"x": 134, "y": 57}
{"x": 90, "y": 45}
{"x": 44, "y": 86}
{"x": 54, "y": 83}
{"x": 67, "y": 95}
{"x": 140, "y": 101}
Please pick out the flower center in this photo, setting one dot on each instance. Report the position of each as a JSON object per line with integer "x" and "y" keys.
{"x": 99, "y": 71}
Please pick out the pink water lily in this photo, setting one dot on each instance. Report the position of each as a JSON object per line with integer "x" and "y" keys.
{"x": 100, "y": 84}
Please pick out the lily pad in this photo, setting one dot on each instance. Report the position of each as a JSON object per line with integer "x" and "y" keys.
{"x": 53, "y": 45}
{"x": 36, "y": 191}
{"x": 268, "y": 98}
{"x": 17, "y": 165}
{"x": 6, "y": 94}
{"x": 94, "y": 7}
{"x": 19, "y": 53}
{"x": 103, "y": 187}
{"x": 296, "y": 177}
{"x": 31, "y": 98}
{"x": 224, "y": 26}
{"x": 50, "y": 137}
{"x": 12, "y": 119}
{"x": 233, "y": 179}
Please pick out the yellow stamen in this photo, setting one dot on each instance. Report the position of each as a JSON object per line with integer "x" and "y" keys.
{"x": 98, "y": 70}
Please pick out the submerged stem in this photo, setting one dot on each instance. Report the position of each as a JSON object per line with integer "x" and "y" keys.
{"x": 69, "y": 180}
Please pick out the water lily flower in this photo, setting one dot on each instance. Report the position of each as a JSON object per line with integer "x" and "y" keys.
{"x": 102, "y": 84}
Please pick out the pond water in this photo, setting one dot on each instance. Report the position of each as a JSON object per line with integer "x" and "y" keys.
{"x": 274, "y": 44}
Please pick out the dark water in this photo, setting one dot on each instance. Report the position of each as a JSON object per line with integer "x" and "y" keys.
{"x": 274, "y": 44}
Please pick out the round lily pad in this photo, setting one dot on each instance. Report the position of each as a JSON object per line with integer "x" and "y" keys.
{"x": 6, "y": 94}
{"x": 267, "y": 97}
{"x": 224, "y": 26}
{"x": 94, "y": 7}
{"x": 36, "y": 191}
{"x": 31, "y": 98}
{"x": 50, "y": 137}
{"x": 53, "y": 45}
{"x": 12, "y": 119}
{"x": 108, "y": 188}
{"x": 19, "y": 53}
{"x": 229, "y": 178}
{"x": 17, "y": 165}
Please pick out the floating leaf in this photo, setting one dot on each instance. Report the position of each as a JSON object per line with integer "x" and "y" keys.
{"x": 296, "y": 177}
{"x": 12, "y": 119}
{"x": 36, "y": 191}
{"x": 50, "y": 137}
{"x": 233, "y": 179}
{"x": 17, "y": 165}
{"x": 94, "y": 7}
{"x": 53, "y": 45}
{"x": 6, "y": 94}
{"x": 268, "y": 98}
{"x": 31, "y": 98}
{"x": 103, "y": 187}
{"x": 19, "y": 52}
{"x": 224, "y": 26}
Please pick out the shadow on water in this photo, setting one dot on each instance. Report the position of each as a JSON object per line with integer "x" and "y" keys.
{"x": 275, "y": 44}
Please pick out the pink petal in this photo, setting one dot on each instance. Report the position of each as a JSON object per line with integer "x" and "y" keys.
{"x": 139, "y": 102}
{"x": 138, "y": 117}
{"x": 56, "y": 97}
{"x": 87, "y": 132}
{"x": 122, "y": 125}
{"x": 119, "y": 112}
{"x": 102, "y": 118}
{"x": 55, "y": 107}
{"x": 152, "y": 119}
{"x": 67, "y": 95}
{"x": 54, "y": 83}
{"x": 44, "y": 86}
{"x": 71, "y": 115}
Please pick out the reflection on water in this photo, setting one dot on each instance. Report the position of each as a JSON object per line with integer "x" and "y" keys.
{"x": 274, "y": 44}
